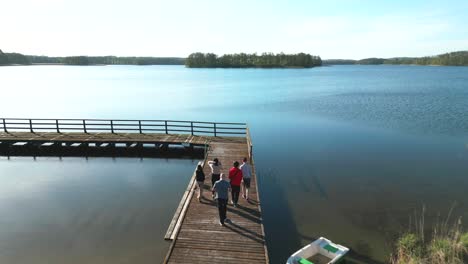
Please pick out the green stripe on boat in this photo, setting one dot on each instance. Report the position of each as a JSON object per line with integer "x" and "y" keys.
{"x": 305, "y": 261}
{"x": 330, "y": 248}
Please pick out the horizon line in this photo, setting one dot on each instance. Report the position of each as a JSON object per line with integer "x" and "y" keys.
{"x": 178, "y": 57}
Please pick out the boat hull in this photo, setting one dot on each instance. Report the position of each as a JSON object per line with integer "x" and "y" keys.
{"x": 320, "y": 251}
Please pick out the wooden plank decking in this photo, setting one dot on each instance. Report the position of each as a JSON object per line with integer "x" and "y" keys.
{"x": 200, "y": 239}
{"x": 45, "y": 137}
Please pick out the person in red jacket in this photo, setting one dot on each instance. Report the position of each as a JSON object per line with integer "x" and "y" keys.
{"x": 235, "y": 175}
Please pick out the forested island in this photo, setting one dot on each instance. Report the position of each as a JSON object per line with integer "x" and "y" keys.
{"x": 243, "y": 60}
{"x": 458, "y": 58}
{"x": 20, "y": 59}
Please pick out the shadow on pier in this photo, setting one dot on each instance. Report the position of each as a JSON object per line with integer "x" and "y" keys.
{"x": 101, "y": 151}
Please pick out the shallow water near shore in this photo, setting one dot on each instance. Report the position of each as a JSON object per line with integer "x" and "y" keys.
{"x": 344, "y": 152}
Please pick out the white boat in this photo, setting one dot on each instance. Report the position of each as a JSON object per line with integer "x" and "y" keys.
{"x": 321, "y": 251}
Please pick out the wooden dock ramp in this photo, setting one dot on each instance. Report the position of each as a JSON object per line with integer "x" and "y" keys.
{"x": 199, "y": 238}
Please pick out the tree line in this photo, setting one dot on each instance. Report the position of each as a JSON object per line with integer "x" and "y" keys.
{"x": 20, "y": 59}
{"x": 13, "y": 58}
{"x": 3, "y": 58}
{"x": 243, "y": 60}
{"x": 458, "y": 58}
{"x": 113, "y": 60}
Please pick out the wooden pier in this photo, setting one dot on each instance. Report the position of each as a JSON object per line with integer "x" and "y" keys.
{"x": 197, "y": 236}
{"x": 195, "y": 232}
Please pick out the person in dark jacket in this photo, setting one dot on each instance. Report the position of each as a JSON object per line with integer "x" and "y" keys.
{"x": 200, "y": 177}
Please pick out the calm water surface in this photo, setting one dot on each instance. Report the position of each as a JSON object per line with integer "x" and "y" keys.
{"x": 96, "y": 210}
{"x": 345, "y": 152}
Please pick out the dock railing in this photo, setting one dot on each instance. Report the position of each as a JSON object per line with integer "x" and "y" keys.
{"x": 122, "y": 126}
{"x": 249, "y": 143}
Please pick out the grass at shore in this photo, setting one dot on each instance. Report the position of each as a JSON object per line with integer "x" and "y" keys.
{"x": 447, "y": 244}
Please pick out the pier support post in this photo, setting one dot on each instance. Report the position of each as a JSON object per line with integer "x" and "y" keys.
{"x": 84, "y": 126}
{"x": 4, "y": 126}
{"x": 164, "y": 147}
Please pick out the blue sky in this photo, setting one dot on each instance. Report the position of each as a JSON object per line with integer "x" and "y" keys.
{"x": 332, "y": 29}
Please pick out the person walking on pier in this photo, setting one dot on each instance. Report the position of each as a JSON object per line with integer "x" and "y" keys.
{"x": 246, "y": 176}
{"x": 216, "y": 168}
{"x": 235, "y": 175}
{"x": 200, "y": 177}
{"x": 221, "y": 189}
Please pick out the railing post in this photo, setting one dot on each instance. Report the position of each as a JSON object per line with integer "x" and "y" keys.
{"x": 214, "y": 129}
{"x": 112, "y": 126}
{"x": 139, "y": 126}
{"x": 165, "y": 124}
{"x": 4, "y": 126}
{"x": 84, "y": 126}
{"x": 57, "y": 125}
{"x": 191, "y": 127}
{"x": 30, "y": 126}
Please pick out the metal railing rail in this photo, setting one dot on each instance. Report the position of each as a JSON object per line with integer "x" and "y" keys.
{"x": 249, "y": 144}
{"x": 143, "y": 126}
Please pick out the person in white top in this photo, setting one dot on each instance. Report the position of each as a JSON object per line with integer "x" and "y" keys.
{"x": 216, "y": 168}
{"x": 247, "y": 173}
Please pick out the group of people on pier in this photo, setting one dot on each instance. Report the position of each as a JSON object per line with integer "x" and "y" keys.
{"x": 239, "y": 178}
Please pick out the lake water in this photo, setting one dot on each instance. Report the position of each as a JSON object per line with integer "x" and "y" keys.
{"x": 345, "y": 152}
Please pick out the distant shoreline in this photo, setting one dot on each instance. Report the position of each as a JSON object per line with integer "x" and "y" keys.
{"x": 64, "y": 64}
{"x": 34, "y": 64}
{"x": 457, "y": 58}
{"x": 261, "y": 68}
{"x": 233, "y": 61}
{"x": 14, "y": 59}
